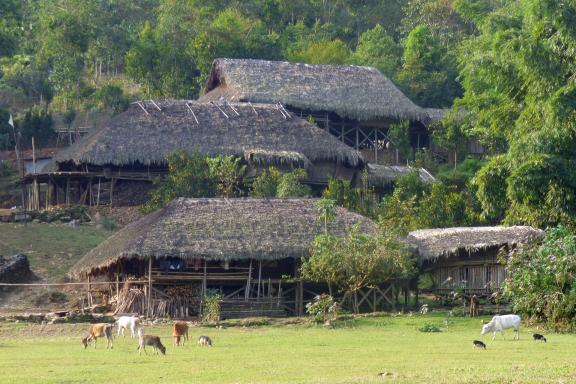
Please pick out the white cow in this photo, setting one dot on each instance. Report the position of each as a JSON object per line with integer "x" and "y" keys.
{"x": 500, "y": 323}
{"x": 128, "y": 322}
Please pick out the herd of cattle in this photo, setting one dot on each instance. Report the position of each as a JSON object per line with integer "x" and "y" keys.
{"x": 180, "y": 333}
{"x": 132, "y": 323}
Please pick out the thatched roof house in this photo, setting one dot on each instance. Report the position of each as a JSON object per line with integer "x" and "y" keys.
{"x": 148, "y": 131}
{"x": 467, "y": 258}
{"x": 359, "y": 93}
{"x": 385, "y": 175}
{"x": 431, "y": 244}
{"x": 220, "y": 229}
{"x": 356, "y": 104}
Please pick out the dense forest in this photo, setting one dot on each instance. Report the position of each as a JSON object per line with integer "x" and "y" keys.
{"x": 505, "y": 68}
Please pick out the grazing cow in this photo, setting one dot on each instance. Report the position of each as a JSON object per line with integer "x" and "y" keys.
{"x": 151, "y": 340}
{"x": 204, "y": 341}
{"x": 128, "y": 322}
{"x": 474, "y": 306}
{"x": 98, "y": 330}
{"x": 479, "y": 344}
{"x": 180, "y": 332}
{"x": 538, "y": 336}
{"x": 500, "y": 323}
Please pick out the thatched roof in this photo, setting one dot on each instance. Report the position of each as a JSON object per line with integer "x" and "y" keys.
{"x": 384, "y": 175}
{"x": 144, "y": 134}
{"x": 360, "y": 93}
{"x": 430, "y": 244}
{"x": 220, "y": 229}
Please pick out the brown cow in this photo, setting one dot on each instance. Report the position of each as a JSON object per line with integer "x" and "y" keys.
{"x": 180, "y": 332}
{"x": 99, "y": 330}
{"x": 474, "y": 306}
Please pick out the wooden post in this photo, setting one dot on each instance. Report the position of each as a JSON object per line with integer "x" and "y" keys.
{"x": 117, "y": 285}
{"x": 33, "y": 156}
{"x": 90, "y": 303}
{"x": 111, "y": 190}
{"x": 375, "y": 145}
{"x": 357, "y": 139}
{"x": 204, "y": 283}
{"x": 67, "y": 201}
{"x": 279, "y": 292}
{"x": 149, "y": 287}
{"x": 374, "y": 300}
{"x": 248, "y": 282}
{"x": 259, "y": 278}
{"x": 98, "y": 194}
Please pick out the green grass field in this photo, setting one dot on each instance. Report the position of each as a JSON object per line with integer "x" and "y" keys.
{"x": 354, "y": 352}
{"x": 51, "y": 248}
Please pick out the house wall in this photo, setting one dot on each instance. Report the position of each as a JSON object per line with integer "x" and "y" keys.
{"x": 479, "y": 272}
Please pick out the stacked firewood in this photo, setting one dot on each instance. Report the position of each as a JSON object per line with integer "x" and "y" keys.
{"x": 176, "y": 301}
{"x": 131, "y": 300}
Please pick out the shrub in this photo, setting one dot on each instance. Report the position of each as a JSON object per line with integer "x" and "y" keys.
{"x": 211, "y": 306}
{"x": 324, "y": 309}
{"x": 541, "y": 280}
{"x": 429, "y": 328}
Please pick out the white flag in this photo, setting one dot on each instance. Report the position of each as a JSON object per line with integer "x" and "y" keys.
{"x": 11, "y": 121}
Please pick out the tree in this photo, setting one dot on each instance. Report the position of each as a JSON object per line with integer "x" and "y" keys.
{"x": 188, "y": 176}
{"x": 327, "y": 211}
{"x": 541, "y": 280}
{"x": 323, "y": 52}
{"x": 378, "y": 49}
{"x": 290, "y": 185}
{"x": 266, "y": 184}
{"x": 355, "y": 262}
{"x": 519, "y": 102}
{"x": 229, "y": 174}
{"x": 424, "y": 73}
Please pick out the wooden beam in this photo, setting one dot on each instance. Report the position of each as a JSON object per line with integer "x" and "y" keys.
{"x": 149, "y": 286}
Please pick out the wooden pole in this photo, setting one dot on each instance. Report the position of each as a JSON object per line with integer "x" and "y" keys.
{"x": 117, "y": 284}
{"x": 33, "y": 156}
{"x": 375, "y": 145}
{"x": 204, "y": 284}
{"x": 259, "y": 278}
{"x": 149, "y": 286}
{"x": 90, "y": 303}
{"x": 111, "y": 190}
{"x": 98, "y": 194}
{"x": 248, "y": 282}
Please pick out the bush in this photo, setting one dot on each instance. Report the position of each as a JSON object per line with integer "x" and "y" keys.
{"x": 429, "y": 328}
{"x": 541, "y": 280}
{"x": 211, "y": 306}
{"x": 323, "y": 310}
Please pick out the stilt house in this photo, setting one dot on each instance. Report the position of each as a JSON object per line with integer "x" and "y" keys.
{"x": 467, "y": 259}
{"x": 356, "y": 104}
{"x": 132, "y": 147}
{"x": 249, "y": 249}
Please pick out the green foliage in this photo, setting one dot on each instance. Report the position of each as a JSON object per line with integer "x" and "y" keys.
{"x": 266, "y": 184}
{"x": 229, "y": 173}
{"x": 409, "y": 186}
{"x": 400, "y": 135}
{"x": 423, "y": 72}
{"x": 378, "y": 49}
{"x": 429, "y": 328}
{"x": 514, "y": 75}
{"x": 290, "y": 186}
{"x": 323, "y": 309}
{"x": 460, "y": 175}
{"x": 327, "y": 212}
{"x": 342, "y": 193}
{"x": 211, "y": 304}
{"x": 110, "y": 97}
{"x": 36, "y": 123}
{"x": 442, "y": 207}
{"x": 357, "y": 261}
{"x": 541, "y": 280}
{"x": 188, "y": 176}
{"x": 491, "y": 182}
{"x": 273, "y": 183}
{"x": 323, "y": 52}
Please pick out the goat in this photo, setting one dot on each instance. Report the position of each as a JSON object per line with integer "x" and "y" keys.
{"x": 151, "y": 340}
{"x": 500, "y": 323}
{"x": 99, "y": 330}
{"x": 479, "y": 344}
{"x": 204, "y": 341}
{"x": 474, "y": 306}
{"x": 180, "y": 332}
{"x": 128, "y": 322}
{"x": 538, "y": 336}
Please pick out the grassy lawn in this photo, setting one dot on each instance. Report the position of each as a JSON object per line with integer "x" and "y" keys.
{"x": 51, "y": 248}
{"x": 353, "y": 353}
